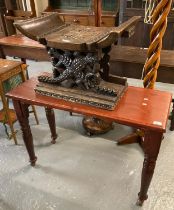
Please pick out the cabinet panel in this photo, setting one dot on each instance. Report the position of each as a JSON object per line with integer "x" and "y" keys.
{"x": 108, "y": 21}
{"x": 82, "y": 11}
{"x": 2, "y": 4}
{"x": 70, "y": 4}
{"x": 82, "y": 20}
{"x": 108, "y": 5}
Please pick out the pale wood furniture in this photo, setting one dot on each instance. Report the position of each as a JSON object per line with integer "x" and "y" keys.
{"x": 12, "y": 73}
{"x": 151, "y": 118}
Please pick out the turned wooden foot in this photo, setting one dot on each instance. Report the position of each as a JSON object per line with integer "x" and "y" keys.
{"x": 52, "y": 124}
{"x": 141, "y": 200}
{"x": 152, "y": 143}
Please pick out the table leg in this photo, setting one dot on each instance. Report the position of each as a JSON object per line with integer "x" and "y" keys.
{"x": 172, "y": 118}
{"x": 22, "y": 113}
{"x": 151, "y": 145}
{"x": 24, "y": 60}
{"x": 51, "y": 121}
{"x": 2, "y": 55}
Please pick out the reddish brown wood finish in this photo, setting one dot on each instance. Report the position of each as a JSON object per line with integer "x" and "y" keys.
{"x": 51, "y": 121}
{"x": 98, "y": 12}
{"x": 151, "y": 147}
{"x": 22, "y": 113}
{"x": 22, "y": 47}
{"x": 139, "y": 115}
{"x": 139, "y": 108}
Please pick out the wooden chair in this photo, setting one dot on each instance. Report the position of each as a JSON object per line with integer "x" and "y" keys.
{"x": 12, "y": 73}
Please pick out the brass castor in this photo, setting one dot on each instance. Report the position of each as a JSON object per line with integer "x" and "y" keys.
{"x": 95, "y": 126}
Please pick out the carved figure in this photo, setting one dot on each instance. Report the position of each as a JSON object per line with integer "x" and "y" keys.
{"x": 81, "y": 68}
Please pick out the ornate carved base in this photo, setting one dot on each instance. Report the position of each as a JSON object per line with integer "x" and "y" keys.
{"x": 105, "y": 97}
{"x": 95, "y": 126}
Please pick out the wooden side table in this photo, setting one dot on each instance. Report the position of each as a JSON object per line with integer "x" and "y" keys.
{"x": 143, "y": 113}
{"x": 12, "y": 73}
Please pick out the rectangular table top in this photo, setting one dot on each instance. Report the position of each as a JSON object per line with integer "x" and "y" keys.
{"x": 139, "y": 107}
{"x": 20, "y": 40}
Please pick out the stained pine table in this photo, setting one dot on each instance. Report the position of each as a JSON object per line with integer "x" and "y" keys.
{"x": 140, "y": 108}
{"x": 22, "y": 47}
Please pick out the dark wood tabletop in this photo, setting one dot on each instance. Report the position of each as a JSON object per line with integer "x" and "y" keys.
{"x": 139, "y": 107}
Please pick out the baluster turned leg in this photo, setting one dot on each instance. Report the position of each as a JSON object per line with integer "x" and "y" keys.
{"x": 51, "y": 121}
{"x": 151, "y": 145}
{"x": 22, "y": 113}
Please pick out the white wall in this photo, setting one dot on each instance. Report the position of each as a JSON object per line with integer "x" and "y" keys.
{"x": 40, "y": 5}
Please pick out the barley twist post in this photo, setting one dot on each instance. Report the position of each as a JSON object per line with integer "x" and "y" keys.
{"x": 159, "y": 19}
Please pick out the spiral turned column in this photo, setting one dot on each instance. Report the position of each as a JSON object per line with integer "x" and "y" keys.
{"x": 159, "y": 19}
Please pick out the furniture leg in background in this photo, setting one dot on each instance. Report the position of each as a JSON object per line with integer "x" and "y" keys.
{"x": 7, "y": 116}
{"x": 12, "y": 74}
{"x": 172, "y": 117}
{"x": 51, "y": 121}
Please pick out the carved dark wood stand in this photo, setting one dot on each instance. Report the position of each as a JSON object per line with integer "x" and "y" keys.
{"x": 80, "y": 59}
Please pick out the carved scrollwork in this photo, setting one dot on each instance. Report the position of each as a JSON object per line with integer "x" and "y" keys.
{"x": 79, "y": 67}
